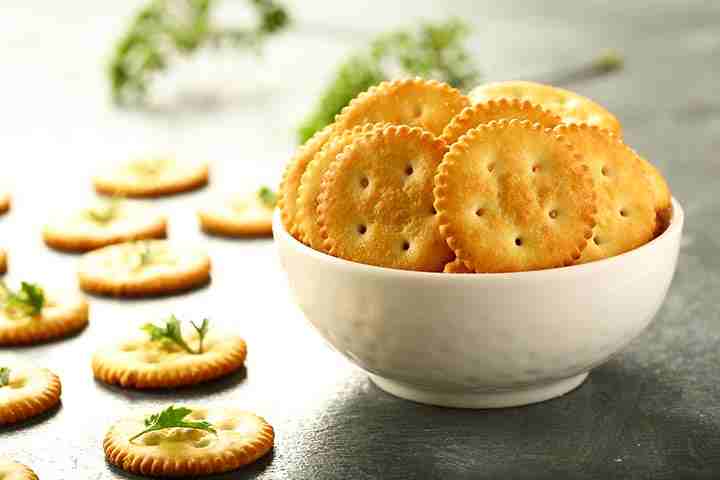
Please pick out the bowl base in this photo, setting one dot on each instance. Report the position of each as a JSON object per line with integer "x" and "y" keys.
{"x": 493, "y": 399}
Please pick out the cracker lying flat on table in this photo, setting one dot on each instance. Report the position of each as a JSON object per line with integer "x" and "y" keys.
{"x": 61, "y": 315}
{"x": 288, "y": 191}
{"x": 241, "y": 215}
{"x": 572, "y": 107}
{"x": 139, "y": 362}
{"x": 241, "y": 438}
{"x": 415, "y": 102}
{"x": 376, "y": 201}
{"x": 29, "y": 390}
{"x": 11, "y": 470}
{"x": 512, "y": 197}
{"x": 149, "y": 267}
{"x": 503, "y": 108}
{"x": 307, "y": 201}
{"x": 626, "y": 216}
{"x": 4, "y": 202}
{"x": 153, "y": 177}
{"x": 104, "y": 225}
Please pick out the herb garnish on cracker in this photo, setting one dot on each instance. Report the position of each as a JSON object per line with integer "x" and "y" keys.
{"x": 172, "y": 333}
{"x": 173, "y": 417}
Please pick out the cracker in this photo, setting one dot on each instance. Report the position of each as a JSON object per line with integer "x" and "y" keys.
{"x": 571, "y": 107}
{"x": 153, "y": 177}
{"x": 626, "y": 215}
{"x": 661, "y": 195}
{"x": 512, "y": 197}
{"x": 499, "y": 109}
{"x": 63, "y": 314}
{"x": 140, "y": 363}
{"x": 3, "y": 261}
{"x": 4, "y": 202}
{"x": 82, "y": 231}
{"x": 11, "y": 470}
{"x": 456, "y": 266}
{"x": 118, "y": 270}
{"x": 312, "y": 179}
{"x": 376, "y": 203}
{"x": 288, "y": 191}
{"x": 415, "y": 102}
{"x": 242, "y": 438}
{"x": 31, "y": 391}
{"x": 243, "y": 215}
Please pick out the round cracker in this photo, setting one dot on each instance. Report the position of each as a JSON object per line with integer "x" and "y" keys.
{"x": 244, "y": 215}
{"x": 376, "y": 202}
{"x": 3, "y": 261}
{"x": 626, "y": 216}
{"x": 572, "y": 107}
{"x": 63, "y": 314}
{"x": 138, "y": 362}
{"x": 456, "y": 266}
{"x": 152, "y": 177}
{"x": 311, "y": 182}
{"x": 4, "y": 202}
{"x": 661, "y": 194}
{"x": 503, "y": 108}
{"x": 32, "y": 391}
{"x": 242, "y": 438}
{"x": 117, "y": 270}
{"x": 78, "y": 232}
{"x": 415, "y": 102}
{"x": 512, "y": 197}
{"x": 11, "y": 470}
{"x": 288, "y": 191}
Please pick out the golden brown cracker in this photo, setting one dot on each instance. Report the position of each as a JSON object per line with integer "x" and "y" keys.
{"x": 288, "y": 191}
{"x": 138, "y": 362}
{"x": 3, "y": 261}
{"x": 415, "y": 102}
{"x": 145, "y": 268}
{"x": 242, "y": 438}
{"x": 4, "y": 202}
{"x": 153, "y": 177}
{"x": 572, "y": 107}
{"x": 11, "y": 470}
{"x": 626, "y": 215}
{"x": 31, "y": 391}
{"x": 497, "y": 109}
{"x": 311, "y": 182}
{"x": 456, "y": 266}
{"x": 376, "y": 202}
{"x": 242, "y": 215}
{"x": 661, "y": 194}
{"x": 85, "y": 230}
{"x": 511, "y": 197}
{"x": 63, "y": 314}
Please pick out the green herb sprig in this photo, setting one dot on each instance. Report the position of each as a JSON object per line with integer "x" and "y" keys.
{"x": 173, "y": 417}
{"x": 165, "y": 29}
{"x": 267, "y": 196}
{"x": 106, "y": 213}
{"x": 28, "y": 301}
{"x": 4, "y": 376}
{"x": 172, "y": 332}
{"x": 434, "y": 50}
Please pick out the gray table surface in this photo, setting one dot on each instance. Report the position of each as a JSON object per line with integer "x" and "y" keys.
{"x": 651, "y": 412}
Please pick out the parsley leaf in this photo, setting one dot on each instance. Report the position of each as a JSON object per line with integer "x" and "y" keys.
{"x": 28, "y": 301}
{"x": 4, "y": 376}
{"x": 173, "y": 417}
{"x": 267, "y": 197}
{"x": 172, "y": 332}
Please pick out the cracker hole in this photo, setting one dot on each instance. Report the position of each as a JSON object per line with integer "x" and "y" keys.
{"x": 491, "y": 167}
{"x": 364, "y": 182}
{"x": 596, "y": 240}
{"x": 406, "y": 245}
{"x": 536, "y": 168}
{"x": 604, "y": 170}
{"x": 480, "y": 212}
{"x": 553, "y": 213}
{"x": 433, "y": 211}
{"x": 362, "y": 229}
{"x": 623, "y": 212}
{"x": 518, "y": 241}
{"x": 409, "y": 170}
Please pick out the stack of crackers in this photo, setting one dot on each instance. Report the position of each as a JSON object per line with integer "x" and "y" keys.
{"x": 517, "y": 176}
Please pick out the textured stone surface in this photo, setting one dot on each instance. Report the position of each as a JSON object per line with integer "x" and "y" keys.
{"x": 652, "y": 412}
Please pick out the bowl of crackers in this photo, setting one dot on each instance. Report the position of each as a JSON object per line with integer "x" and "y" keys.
{"x": 476, "y": 251}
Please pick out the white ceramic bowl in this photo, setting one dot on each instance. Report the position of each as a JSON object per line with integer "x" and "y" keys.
{"x": 481, "y": 340}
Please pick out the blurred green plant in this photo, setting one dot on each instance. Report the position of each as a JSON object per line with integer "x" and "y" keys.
{"x": 432, "y": 50}
{"x": 167, "y": 28}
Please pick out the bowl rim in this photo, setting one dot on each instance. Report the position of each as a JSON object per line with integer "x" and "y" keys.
{"x": 675, "y": 227}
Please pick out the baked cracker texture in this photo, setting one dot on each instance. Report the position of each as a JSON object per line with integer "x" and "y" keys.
{"x": 11, "y": 470}
{"x": 376, "y": 201}
{"x": 31, "y": 391}
{"x": 242, "y": 215}
{"x": 511, "y": 196}
{"x": 242, "y": 438}
{"x": 154, "y": 177}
